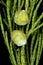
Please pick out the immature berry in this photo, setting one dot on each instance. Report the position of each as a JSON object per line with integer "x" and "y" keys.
{"x": 18, "y": 37}
{"x": 21, "y": 17}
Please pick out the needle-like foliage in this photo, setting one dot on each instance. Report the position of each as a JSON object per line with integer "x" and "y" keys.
{"x": 30, "y": 53}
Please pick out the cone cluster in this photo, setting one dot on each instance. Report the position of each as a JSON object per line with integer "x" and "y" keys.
{"x": 17, "y": 36}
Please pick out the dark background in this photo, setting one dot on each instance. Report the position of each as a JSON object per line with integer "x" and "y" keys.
{"x": 4, "y": 55}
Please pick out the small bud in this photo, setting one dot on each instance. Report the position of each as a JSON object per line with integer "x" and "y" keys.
{"x": 18, "y": 37}
{"x": 21, "y": 17}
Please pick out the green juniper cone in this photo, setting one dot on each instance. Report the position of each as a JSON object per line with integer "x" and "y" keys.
{"x": 18, "y": 37}
{"x": 21, "y": 17}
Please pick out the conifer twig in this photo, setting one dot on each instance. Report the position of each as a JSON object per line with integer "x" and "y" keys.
{"x": 33, "y": 30}
{"x": 6, "y": 41}
{"x": 19, "y": 4}
{"x": 35, "y": 11}
{"x": 22, "y": 4}
{"x": 8, "y": 14}
{"x": 23, "y": 59}
{"x": 18, "y": 57}
{"x": 12, "y": 58}
{"x": 2, "y": 27}
{"x": 33, "y": 56}
{"x": 32, "y": 43}
{"x": 26, "y": 5}
{"x": 14, "y": 7}
{"x": 4, "y": 35}
{"x": 38, "y": 52}
{"x": 27, "y": 54}
{"x": 2, "y": 2}
{"x": 38, "y": 20}
{"x": 39, "y": 26}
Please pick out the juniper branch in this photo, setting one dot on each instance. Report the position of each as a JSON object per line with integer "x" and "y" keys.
{"x": 4, "y": 35}
{"x": 27, "y": 54}
{"x": 6, "y": 41}
{"x": 33, "y": 30}
{"x": 2, "y": 27}
{"x": 32, "y": 43}
{"x": 12, "y": 58}
{"x": 26, "y": 5}
{"x": 22, "y": 4}
{"x": 33, "y": 56}
{"x": 19, "y": 4}
{"x": 23, "y": 59}
{"x": 2, "y": 2}
{"x": 39, "y": 50}
{"x": 14, "y": 7}
{"x": 32, "y": 4}
{"x": 39, "y": 26}
{"x": 38, "y": 20}
{"x": 8, "y": 14}
{"x": 35, "y": 11}
{"x": 18, "y": 53}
